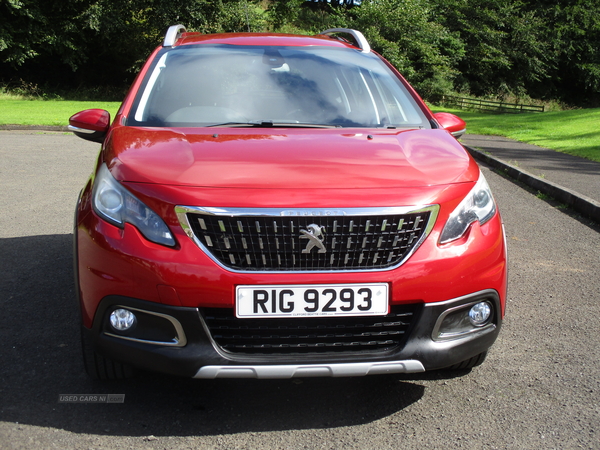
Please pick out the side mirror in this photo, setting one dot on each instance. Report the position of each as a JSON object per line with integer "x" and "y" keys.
{"x": 91, "y": 124}
{"x": 454, "y": 124}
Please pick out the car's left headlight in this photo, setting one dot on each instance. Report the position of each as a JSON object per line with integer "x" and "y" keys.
{"x": 117, "y": 205}
{"x": 478, "y": 205}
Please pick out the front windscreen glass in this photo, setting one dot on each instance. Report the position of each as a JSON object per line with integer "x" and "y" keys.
{"x": 229, "y": 85}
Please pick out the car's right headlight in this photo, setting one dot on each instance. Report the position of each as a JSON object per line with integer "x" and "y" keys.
{"x": 117, "y": 205}
{"x": 478, "y": 205}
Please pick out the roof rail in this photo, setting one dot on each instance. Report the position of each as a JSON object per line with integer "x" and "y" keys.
{"x": 360, "y": 39}
{"x": 173, "y": 33}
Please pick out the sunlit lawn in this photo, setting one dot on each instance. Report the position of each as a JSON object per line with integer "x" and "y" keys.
{"x": 576, "y": 132}
{"x": 46, "y": 112}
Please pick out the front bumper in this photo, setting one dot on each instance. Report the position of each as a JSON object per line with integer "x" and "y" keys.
{"x": 171, "y": 287}
{"x": 179, "y": 342}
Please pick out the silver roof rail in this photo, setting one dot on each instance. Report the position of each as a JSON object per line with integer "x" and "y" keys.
{"x": 173, "y": 33}
{"x": 360, "y": 39}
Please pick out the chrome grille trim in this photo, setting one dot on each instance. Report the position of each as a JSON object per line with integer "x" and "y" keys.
{"x": 252, "y": 220}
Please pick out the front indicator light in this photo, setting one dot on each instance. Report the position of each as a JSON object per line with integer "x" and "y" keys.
{"x": 478, "y": 205}
{"x": 117, "y": 205}
{"x": 122, "y": 319}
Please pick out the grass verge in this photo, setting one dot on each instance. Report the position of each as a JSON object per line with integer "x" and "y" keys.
{"x": 46, "y": 112}
{"x": 576, "y": 132}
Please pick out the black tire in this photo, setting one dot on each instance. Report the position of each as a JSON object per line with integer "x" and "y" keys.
{"x": 99, "y": 367}
{"x": 469, "y": 363}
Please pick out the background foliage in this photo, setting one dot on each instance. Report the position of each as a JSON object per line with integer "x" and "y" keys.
{"x": 543, "y": 49}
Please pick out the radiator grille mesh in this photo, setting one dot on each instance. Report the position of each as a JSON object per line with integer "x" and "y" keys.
{"x": 307, "y": 243}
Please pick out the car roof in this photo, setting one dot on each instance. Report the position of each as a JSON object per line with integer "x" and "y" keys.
{"x": 261, "y": 39}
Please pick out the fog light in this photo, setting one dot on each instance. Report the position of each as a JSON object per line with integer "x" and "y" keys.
{"x": 122, "y": 319}
{"x": 480, "y": 313}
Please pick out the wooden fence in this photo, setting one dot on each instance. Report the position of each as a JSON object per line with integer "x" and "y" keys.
{"x": 488, "y": 105}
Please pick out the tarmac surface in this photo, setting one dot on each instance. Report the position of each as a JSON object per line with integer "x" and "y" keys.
{"x": 571, "y": 180}
{"x": 538, "y": 389}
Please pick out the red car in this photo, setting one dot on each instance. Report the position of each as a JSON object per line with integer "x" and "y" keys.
{"x": 276, "y": 206}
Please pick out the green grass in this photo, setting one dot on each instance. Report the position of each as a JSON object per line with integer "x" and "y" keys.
{"x": 15, "y": 111}
{"x": 576, "y": 132}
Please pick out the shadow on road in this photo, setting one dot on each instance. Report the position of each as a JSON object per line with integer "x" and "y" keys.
{"x": 41, "y": 359}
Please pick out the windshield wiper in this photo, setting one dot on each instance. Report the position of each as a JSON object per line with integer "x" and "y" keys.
{"x": 271, "y": 124}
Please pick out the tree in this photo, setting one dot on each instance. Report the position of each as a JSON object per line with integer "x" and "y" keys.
{"x": 284, "y": 12}
{"x": 32, "y": 28}
{"x": 542, "y": 48}
{"x": 504, "y": 52}
{"x": 100, "y": 42}
{"x": 573, "y": 33}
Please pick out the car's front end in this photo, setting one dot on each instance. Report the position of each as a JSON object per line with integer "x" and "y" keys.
{"x": 215, "y": 241}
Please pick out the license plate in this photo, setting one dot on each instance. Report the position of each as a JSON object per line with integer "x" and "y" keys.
{"x": 312, "y": 300}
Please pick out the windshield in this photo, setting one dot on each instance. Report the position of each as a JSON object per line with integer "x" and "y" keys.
{"x": 212, "y": 85}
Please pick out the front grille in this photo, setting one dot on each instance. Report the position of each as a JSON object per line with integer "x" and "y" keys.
{"x": 282, "y": 336}
{"x": 248, "y": 242}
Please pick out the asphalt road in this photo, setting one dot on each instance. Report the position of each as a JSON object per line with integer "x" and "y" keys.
{"x": 539, "y": 388}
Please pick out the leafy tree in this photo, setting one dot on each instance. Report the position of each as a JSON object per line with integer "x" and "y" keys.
{"x": 32, "y": 28}
{"x": 540, "y": 48}
{"x": 573, "y": 33}
{"x": 284, "y": 12}
{"x": 504, "y": 52}
{"x": 75, "y": 42}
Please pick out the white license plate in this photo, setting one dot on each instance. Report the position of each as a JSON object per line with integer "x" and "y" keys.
{"x": 321, "y": 300}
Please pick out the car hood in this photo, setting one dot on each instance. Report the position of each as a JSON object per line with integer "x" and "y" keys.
{"x": 255, "y": 158}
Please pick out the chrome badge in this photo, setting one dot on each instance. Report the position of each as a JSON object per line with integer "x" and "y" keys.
{"x": 315, "y": 238}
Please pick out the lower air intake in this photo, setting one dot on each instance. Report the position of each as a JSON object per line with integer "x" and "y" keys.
{"x": 283, "y": 336}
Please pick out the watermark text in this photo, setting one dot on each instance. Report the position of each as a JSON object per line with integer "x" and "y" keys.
{"x": 91, "y": 398}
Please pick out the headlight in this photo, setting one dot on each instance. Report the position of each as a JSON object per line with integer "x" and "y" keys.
{"x": 478, "y": 205}
{"x": 117, "y": 205}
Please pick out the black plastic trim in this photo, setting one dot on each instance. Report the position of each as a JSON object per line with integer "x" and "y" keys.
{"x": 200, "y": 350}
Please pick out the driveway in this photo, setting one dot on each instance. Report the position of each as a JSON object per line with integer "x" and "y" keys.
{"x": 539, "y": 388}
